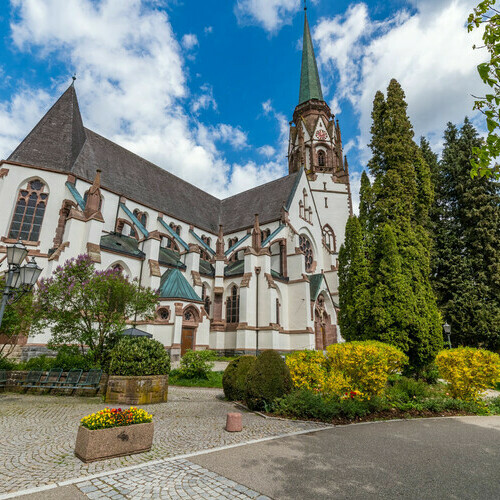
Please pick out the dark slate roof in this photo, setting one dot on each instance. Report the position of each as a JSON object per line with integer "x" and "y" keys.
{"x": 121, "y": 244}
{"x": 174, "y": 285}
{"x": 238, "y": 212}
{"x": 61, "y": 142}
{"x": 57, "y": 139}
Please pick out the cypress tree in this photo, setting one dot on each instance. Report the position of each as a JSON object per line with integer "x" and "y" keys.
{"x": 353, "y": 282}
{"x": 402, "y": 309}
{"x": 466, "y": 263}
{"x": 365, "y": 201}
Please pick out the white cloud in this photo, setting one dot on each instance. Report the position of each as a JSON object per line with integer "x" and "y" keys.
{"x": 189, "y": 41}
{"x": 19, "y": 115}
{"x": 267, "y": 151}
{"x": 205, "y": 100}
{"x": 270, "y": 14}
{"x": 208, "y": 30}
{"x": 131, "y": 87}
{"x": 229, "y": 134}
{"x": 430, "y": 55}
{"x": 283, "y": 127}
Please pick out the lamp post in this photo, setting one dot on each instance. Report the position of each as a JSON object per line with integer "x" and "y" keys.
{"x": 18, "y": 279}
{"x": 447, "y": 330}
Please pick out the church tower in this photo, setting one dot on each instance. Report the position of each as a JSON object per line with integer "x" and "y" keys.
{"x": 315, "y": 142}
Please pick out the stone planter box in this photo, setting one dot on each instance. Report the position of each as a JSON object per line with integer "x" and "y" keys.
{"x": 137, "y": 390}
{"x": 101, "y": 444}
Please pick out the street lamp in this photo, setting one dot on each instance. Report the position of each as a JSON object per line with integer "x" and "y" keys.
{"x": 447, "y": 330}
{"x": 19, "y": 279}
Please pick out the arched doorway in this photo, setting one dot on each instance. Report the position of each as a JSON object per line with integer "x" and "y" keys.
{"x": 325, "y": 332}
{"x": 190, "y": 320}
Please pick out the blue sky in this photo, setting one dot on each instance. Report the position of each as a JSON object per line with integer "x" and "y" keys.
{"x": 205, "y": 88}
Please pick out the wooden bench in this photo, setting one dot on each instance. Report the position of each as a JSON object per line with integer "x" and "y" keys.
{"x": 3, "y": 378}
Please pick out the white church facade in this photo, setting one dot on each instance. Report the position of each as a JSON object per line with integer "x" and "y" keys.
{"x": 254, "y": 271}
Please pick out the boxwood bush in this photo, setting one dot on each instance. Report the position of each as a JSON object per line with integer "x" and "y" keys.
{"x": 235, "y": 375}
{"x": 268, "y": 379}
{"x": 136, "y": 356}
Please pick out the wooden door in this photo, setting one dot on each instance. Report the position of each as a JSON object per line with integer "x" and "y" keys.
{"x": 187, "y": 340}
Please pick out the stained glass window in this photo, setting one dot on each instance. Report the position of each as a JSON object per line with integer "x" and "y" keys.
{"x": 306, "y": 246}
{"x": 28, "y": 214}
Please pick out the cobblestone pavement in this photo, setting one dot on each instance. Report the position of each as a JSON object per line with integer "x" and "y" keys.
{"x": 37, "y": 433}
{"x": 175, "y": 479}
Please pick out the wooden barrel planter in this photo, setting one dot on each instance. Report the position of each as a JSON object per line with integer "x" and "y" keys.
{"x": 137, "y": 390}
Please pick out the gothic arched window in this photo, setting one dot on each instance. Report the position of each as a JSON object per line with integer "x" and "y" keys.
{"x": 176, "y": 228}
{"x": 233, "y": 306}
{"x": 206, "y": 298}
{"x": 330, "y": 240}
{"x": 321, "y": 158}
{"x": 28, "y": 214}
{"x": 306, "y": 246}
{"x": 265, "y": 234}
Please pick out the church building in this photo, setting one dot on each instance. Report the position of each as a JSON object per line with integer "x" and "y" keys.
{"x": 254, "y": 271}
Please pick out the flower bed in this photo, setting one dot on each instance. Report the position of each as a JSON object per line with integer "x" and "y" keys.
{"x": 114, "y": 432}
{"x": 115, "y": 417}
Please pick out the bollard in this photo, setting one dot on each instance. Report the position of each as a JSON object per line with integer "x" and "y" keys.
{"x": 233, "y": 422}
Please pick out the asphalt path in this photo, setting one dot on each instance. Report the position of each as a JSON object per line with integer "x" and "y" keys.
{"x": 441, "y": 458}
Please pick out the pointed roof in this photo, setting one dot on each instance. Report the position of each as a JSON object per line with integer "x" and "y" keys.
{"x": 310, "y": 86}
{"x": 62, "y": 129}
{"x": 174, "y": 285}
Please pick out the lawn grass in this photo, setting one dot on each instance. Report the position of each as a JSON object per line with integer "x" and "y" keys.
{"x": 214, "y": 380}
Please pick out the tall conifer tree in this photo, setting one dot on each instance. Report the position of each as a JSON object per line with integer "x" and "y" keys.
{"x": 466, "y": 263}
{"x": 353, "y": 282}
{"x": 402, "y": 308}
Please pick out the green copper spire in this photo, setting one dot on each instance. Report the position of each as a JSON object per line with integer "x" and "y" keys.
{"x": 310, "y": 86}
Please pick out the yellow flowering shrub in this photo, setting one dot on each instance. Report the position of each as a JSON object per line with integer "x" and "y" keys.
{"x": 116, "y": 417}
{"x": 307, "y": 369}
{"x": 334, "y": 384}
{"x": 469, "y": 371}
{"x": 366, "y": 365}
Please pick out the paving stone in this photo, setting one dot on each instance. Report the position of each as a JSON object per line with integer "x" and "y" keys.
{"x": 39, "y": 432}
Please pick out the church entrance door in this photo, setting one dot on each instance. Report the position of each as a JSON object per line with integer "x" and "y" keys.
{"x": 325, "y": 332}
{"x": 187, "y": 340}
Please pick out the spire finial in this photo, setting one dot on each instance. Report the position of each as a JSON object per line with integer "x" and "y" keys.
{"x": 305, "y": 4}
{"x": 73, "y": 78}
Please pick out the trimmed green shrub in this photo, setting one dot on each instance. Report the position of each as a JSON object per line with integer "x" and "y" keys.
{"x": 197, "y": 364}
{"x": 136, "y": 356}
{"x": 235, "y": 375}
{"x": 268, "y": 379}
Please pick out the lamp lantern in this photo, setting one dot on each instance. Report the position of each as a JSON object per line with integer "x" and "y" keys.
{"x": 16, "y": 254}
